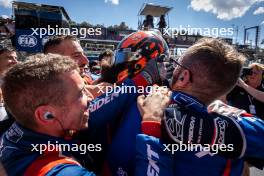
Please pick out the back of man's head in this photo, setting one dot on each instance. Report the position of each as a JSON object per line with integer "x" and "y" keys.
{"x": 37, "y": 81}
{"x": 215, "y": 67}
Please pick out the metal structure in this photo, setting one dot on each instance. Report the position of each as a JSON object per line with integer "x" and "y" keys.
{"x": 154, "y": 11}
{"x": 29, "y": 16}
{"x": 40, "y": 11}
{"x": 257, "y": 35}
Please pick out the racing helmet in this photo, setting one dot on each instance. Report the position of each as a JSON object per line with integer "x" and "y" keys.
{"x": 134, "y": 52}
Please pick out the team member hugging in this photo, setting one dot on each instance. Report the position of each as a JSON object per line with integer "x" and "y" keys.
{"x": 48, "y": 98}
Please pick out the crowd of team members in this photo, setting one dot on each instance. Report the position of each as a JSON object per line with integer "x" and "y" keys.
{"x": 56, "y": 98}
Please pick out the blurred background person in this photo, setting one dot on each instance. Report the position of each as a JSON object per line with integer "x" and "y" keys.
{"x": 259, "y": 95}
{"x": 108, "y": 72}
{"x": 106, "y": 56}
{"x": 8, "y": 58}
{"x": 240, "y": 96}
{"x": 95, "y": 69}
{"x": 69, "y": 46}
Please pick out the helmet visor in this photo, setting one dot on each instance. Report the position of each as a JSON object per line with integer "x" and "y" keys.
{"x": 124, "y": 55}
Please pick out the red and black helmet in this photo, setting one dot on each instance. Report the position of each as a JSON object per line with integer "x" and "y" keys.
{"x": 134, "y": 51}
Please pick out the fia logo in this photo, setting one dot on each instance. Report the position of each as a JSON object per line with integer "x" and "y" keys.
{"x": 27, "y": 41}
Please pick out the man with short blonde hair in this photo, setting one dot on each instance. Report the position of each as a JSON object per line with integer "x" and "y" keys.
{"x": 211, "y": 67}
{"x": 48, "y": 98}
{"x": 207, "y": 70}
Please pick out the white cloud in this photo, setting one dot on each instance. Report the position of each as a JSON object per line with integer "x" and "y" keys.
{"x": 259, "y": 10}
{"x": 115, "y": 2}
{"x": 224, "y": 10}
{"x": 6, "y": 3}
{"x": 4, "y": 16}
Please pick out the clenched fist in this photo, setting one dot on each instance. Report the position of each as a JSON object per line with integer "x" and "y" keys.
{"x": 151, "y": 107}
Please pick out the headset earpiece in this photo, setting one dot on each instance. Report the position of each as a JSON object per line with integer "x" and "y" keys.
{"x": 181, "y": 78}
{"x": 48, "y": 116}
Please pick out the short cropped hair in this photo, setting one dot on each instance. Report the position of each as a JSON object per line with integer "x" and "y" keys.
{"x": 54, "y": 41}
{"x": 37, "y": 81}
{"x": 215, "y": 66}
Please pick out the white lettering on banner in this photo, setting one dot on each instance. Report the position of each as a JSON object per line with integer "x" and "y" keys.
{"x": 27, "y": 41}
{"x": 153, "y": 168}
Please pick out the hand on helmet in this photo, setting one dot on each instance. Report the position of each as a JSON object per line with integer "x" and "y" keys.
{"x": 149, "y": 75}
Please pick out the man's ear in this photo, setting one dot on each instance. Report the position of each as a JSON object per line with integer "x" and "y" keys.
{"x": 42, "y": 114}
{"x": 184, "y": 78}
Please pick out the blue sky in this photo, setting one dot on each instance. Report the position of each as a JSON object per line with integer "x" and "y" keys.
{"x": 196, "y": 13}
